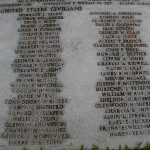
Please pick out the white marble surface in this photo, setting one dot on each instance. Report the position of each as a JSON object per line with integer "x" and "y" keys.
{"x": 79, "y": 76}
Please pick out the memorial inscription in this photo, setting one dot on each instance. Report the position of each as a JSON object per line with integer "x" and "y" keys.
{"x": 125, "y": 87}
{"x": 36, "y": 113}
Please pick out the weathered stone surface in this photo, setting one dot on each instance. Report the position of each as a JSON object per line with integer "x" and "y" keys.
{"x": 74, "y": 72}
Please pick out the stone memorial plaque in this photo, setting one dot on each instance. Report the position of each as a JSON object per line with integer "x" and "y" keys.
{"x": 74, "y": 72}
